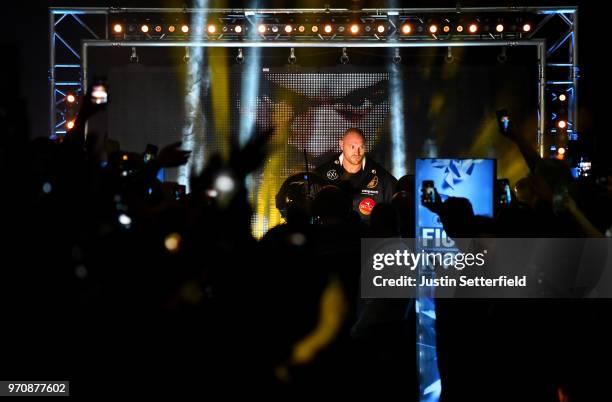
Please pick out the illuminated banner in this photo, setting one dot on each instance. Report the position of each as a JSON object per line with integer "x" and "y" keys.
{"x": 468, "y": 178}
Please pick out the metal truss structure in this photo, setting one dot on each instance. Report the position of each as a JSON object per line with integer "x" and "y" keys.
{"x": 553, "y": 30}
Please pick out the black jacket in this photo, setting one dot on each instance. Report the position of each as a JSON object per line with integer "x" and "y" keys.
{"x": 368, "y": 187}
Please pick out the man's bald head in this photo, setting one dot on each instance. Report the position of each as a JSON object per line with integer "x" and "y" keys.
{"x": 354, "y": 131}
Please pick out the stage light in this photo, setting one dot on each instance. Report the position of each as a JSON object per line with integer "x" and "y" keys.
{"x": 327, "y": 29}
{"x": 125, "y": 157}
{"x": 184, "y": 28}
{"x": 354, "y": 28}
{"x": 212, "y": 29}
{"x": 238, "y": 29}
{"x": 406, "y": 29}
{"x": 144, "y": 28}
{"x": 171, "y": 28}
{"x": 459, "y": 28}
{"x": 562, "y": 124}
{"x": 562, "y": 97}
{"x": 125, "y": 220}
{"x": 499, "y": 28}
{"x": 172, "y": 242}
{"x": 341, "y": 28}
{"x": 473, "y": 28}
{"x": 224, "y": 183}
{"x": 47, "y": 188}
{"x": 158, "y": 28}
{"x": 288, "y": 28}
{"x": 380, "y": 29}
{"x": 261, "y": 28}
{"x": 561, "y": 151}
{"x": 70, "y": 124}
{"x": 526, "y": 28}
{"x": 433, "y": 29}
{"x": 117, "y": 28}
{"x": 315, "y": 29}
{"x": 446, "y": 28}
{"x": 70, "y": 98}
{"x": 301, "y": 28}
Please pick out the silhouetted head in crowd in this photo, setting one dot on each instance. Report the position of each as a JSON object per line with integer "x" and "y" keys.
{"x": 332, "y": 205}
{"x": 405, "y": 183}
{"x": 384, "y": 221}
{"x": 525, "y": 191}
{"x": 404, "y": 204}
{"x": 551, "y": 177}
{"x": 458, "y": 217}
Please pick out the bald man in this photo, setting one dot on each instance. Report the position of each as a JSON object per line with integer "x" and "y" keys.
{"x": 367, "y": 182}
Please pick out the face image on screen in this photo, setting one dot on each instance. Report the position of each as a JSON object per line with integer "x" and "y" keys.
{"x": 319, "y": 107}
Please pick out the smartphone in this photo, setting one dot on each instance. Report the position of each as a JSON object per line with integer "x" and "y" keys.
{"x": 179, "y": 191}
{"x": 150, "y": 153}
{"x": 504, "y": 192}
{"x": 585, "y": 168}
{"x": 503, "y": 120}
{"x": 428, "y": 192}
{"x": 560, "y": 196}
{"x": 99, "y": 94}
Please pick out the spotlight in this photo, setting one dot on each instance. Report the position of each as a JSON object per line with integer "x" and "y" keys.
{"x": 562, "y": 98}
{"x": 70, "y": 124}
{"x": 224, "y": 183}
{"x": 459, "y": 28}
{"x": 261, "y": 28}
{"x": 212, "y": 29}
{"x": 327, "y": 28}
{"x": 70, "y": 98}
{"x": 499, "y": 28}
{"x": 173, "y": 242}
{"x": 184, "y": 28}
{"x": 315, "y": 29}
{"x": 301, "y": 28}
{"x": 341, "y": 28}
{"x": 125, "y": 220}
{"x": 117, "y": 28}
{"x": 473, "y": 28}
{"x": 526, "y": 28}
{"x": 288, "y": 28}
{"x": 171, "y": 28}
{"x": 354, "y": 28}
{"x": 380, "y": 29}
{"x": 446, "y": 28}
{"x": 274, "y": 28}
{"x": 406, "y": 29}
{"x": 562, "y": 124}
{"x": 158, "y": 28}
{"x": 433, "y": 28}
{"x": 144, "y": 28}
{"x": 561, "y": 151}
{"x": 238, "y": 29}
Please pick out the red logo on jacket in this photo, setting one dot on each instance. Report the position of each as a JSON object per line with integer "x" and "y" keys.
{"x": 366, "y": 206}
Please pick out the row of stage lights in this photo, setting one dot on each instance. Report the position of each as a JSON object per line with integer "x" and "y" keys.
{"x": 560, "y": 126}
{"x": 407, "y": 28}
